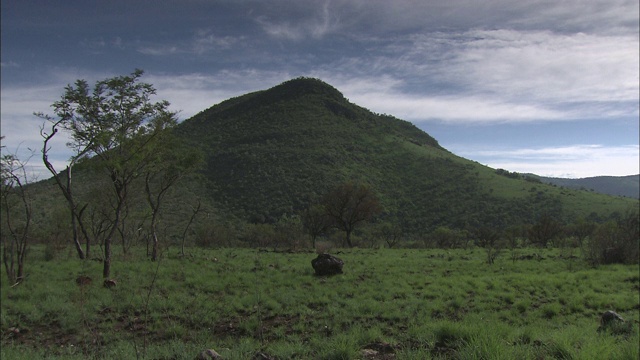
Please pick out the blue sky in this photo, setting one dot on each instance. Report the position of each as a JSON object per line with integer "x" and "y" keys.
{"x": 542, "y": 86}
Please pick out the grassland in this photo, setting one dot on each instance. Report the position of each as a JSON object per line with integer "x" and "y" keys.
{"x": 405, "y": 304}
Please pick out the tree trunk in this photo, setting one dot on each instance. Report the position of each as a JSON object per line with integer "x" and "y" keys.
{"x": 106, "y": 270}
{"x": 154, "y": 237}
{"x": 76, "y": 241}
{"x": 348, "y": 239}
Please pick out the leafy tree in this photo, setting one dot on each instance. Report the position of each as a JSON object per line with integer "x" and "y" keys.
{"x": 351, "y": 204}
{"x": 544, "y": 231}
{"x": 581, "y": 230}
{"x": 13, "y": 178}
{"x": 444, "y": 237}
{"x": 616, "y": 241}
{"x": 117, "y": 124}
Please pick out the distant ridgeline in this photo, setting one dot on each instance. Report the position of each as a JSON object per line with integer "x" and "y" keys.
{"x": 628, "y": 186}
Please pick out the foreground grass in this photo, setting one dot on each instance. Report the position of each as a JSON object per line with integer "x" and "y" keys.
{"x": 406, "y": 304}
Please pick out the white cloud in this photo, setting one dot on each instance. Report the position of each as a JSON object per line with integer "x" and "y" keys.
{"x": 419, "y": 16}
{"x": 9, "y": 64}
{"x": 206, "y": 40}
{"x": 159, "y": 50}
{"x": 495, "y": 76}
{"x": 550, "y": 67}
{"x": 573, "y": 161}
{"x": 314, "y": 22}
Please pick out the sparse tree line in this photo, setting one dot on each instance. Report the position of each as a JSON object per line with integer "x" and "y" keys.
{"x": 124, "y": 198}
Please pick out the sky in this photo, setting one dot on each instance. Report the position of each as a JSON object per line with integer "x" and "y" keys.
{"x": 538, "y": 86}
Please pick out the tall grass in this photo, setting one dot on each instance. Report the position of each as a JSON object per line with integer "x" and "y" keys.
{"x": 422, "y": 303}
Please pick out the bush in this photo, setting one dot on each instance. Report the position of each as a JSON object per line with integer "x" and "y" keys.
{"x": 615, "y": 242}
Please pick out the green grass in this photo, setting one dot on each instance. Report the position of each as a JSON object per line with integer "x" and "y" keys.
{"x": 422, "y": 303}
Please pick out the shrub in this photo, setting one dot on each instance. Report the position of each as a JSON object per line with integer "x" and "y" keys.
{"x": 615, "y": 242}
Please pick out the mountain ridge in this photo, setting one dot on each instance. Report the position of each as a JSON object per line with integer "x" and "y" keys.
{"x": 273, "y": 152}
{"x": 628, "y": 185}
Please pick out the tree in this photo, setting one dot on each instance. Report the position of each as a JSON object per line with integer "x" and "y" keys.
{"x": 315, "y": 221}
{"x": 172, "y": 162}
{"x": 289, "y": 230}
{"x": 118, "y": 126}
{"x": 65, "y": 184}
{"x": 444, "y": 237}
{"x": 13, "y": 177}
{"x": 489, "y": 239}
{"x": 349, "y": 205}
{"x": 581, "y": 230}
{"x": 544, "y": 231}
{"x": 391, "y": 232}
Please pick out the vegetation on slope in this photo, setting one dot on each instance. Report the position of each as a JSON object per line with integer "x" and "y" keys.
{"x": 274, "y": 152}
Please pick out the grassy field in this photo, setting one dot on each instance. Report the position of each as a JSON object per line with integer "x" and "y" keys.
{"x": 388, "y": 304}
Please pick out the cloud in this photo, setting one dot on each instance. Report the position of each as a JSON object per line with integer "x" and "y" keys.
{"x": 384, "y": 95}
{"x": 547, "y": 66}
{"x": 418, "y": 16}
{"x": 202, "y": 42}
{"x": 206, "y": 40}
{"x": 313, "y": 22}
{"x": 22, "y": 129}
{"x": 159, "y": 50}
{"x": 9, "y": 64}
{"x": 195, "y": 92}
{"x": 572, "y": 161}
{"x": 495, "y": 76}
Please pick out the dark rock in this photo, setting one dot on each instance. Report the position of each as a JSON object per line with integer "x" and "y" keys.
{"x": 614, "y": 324}
{"x": 610, "y": 317}
{"x": 326, "y": 264}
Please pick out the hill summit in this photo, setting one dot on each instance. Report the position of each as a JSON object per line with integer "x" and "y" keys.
{"x": 273, "y": 152}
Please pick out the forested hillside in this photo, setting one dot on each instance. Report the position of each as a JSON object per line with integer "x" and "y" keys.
{"x": 274, "y": 152}
{"x": 271, "y": 154}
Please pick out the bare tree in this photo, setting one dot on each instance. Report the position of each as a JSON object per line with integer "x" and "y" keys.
{"x": 351, "y": 204}
{"x": 391, "y": 232}
{"x": 15, "y": 201}
{"x": 194, "y": 213}
{"x": 489, "y": 239}
{"x": 64, "y": 182}
{"x": 172, "y": 162}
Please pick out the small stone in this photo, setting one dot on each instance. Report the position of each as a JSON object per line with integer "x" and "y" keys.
{"x": 110, "y": 283}
{"x": 208, "y": 354}
{"x": 369, "y": 353}
{"x": 261, "y": 356}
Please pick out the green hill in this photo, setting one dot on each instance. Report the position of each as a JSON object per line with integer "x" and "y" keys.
{"x": 272, "y": 152}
